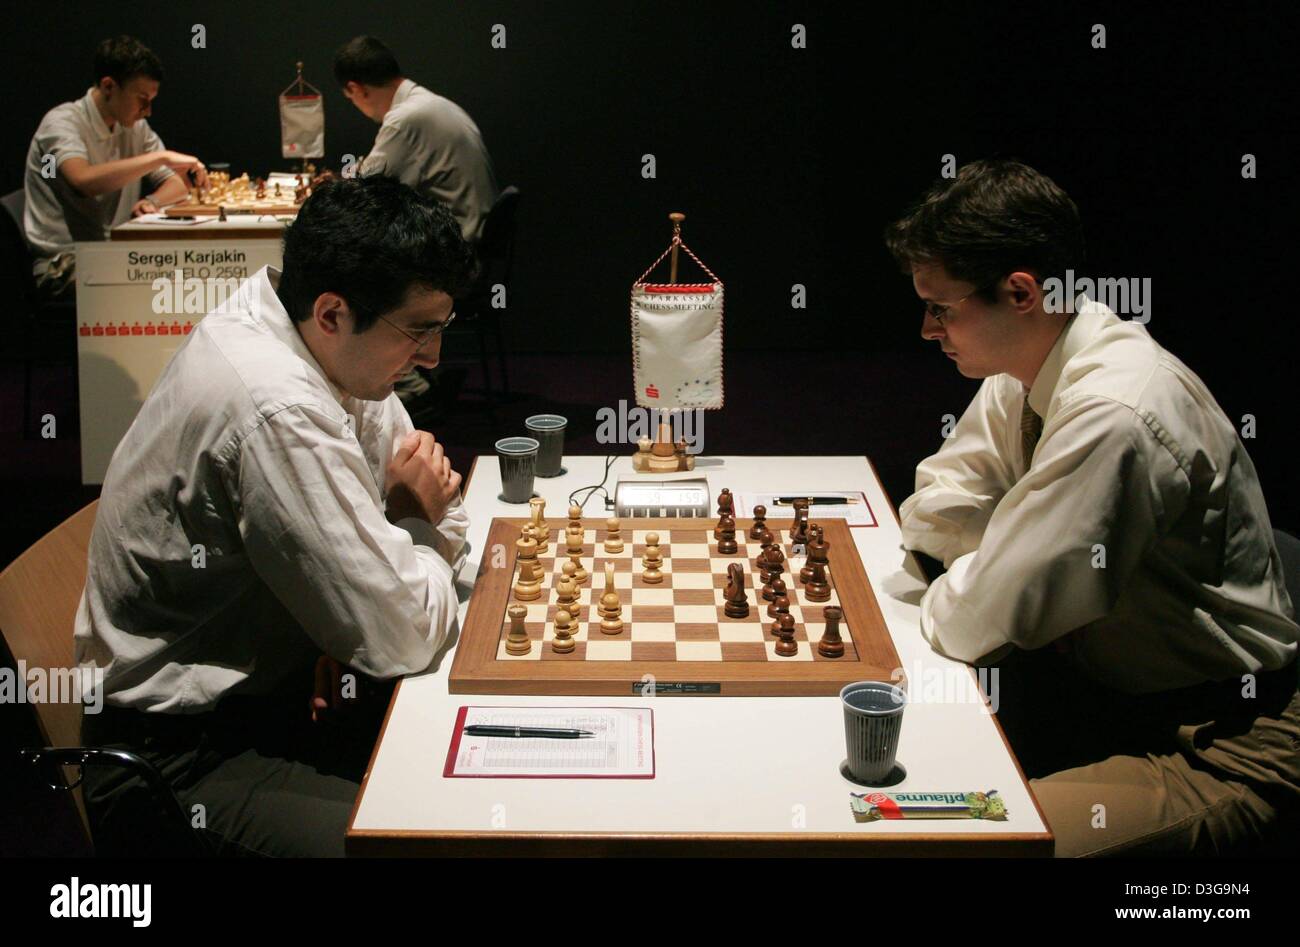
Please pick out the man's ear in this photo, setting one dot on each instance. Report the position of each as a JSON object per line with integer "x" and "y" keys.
{"x": 330, "y": 312}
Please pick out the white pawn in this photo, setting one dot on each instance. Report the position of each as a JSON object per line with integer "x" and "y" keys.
{"x": 575, "y": 516}
{"x": 652, "y": 560}
{"x": 613, "y": 541}
{"x": 563, "y": 642}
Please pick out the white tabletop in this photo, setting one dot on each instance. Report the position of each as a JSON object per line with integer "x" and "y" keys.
{"x": 740, "y": 771}
{"x": 235, "y": 226}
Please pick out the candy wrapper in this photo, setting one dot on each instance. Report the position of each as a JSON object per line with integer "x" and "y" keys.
{"x": 874, "y": 806}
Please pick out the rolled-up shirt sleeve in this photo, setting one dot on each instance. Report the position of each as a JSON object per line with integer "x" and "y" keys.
{"x": 958, "y": 488}
{"x": 313, "y": 526}
{"x": 1064, "y": 540}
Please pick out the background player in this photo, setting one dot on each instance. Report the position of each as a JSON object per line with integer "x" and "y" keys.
{"x": 88, "y": 158}
{"x": 426, "y": 141}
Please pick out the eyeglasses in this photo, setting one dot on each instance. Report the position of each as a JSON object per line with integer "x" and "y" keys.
{"x": 937, "y": 312}
{"x": 427, "y": 335}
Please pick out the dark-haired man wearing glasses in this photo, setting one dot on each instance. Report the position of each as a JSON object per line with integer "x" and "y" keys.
{"x": 271, "y": 518}
{"x": 1095, "y": 499}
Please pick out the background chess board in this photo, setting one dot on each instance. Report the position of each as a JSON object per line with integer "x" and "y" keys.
{"x": 676, "y": 630}
{"x": 241, "y": 205}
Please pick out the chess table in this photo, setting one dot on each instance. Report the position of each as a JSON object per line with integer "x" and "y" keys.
{"x": 749, "y": 774}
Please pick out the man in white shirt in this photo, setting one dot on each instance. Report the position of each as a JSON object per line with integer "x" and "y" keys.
{"x": 426, "y": 141}
{"x": 271, "y": 517}
{"x": 88, "y": 159}
{"x": 1093, "y": 497}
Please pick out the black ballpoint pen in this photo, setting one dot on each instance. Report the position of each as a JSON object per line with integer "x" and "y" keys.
{"x": 817, "y": 501}
{"x": 556, "y": 733}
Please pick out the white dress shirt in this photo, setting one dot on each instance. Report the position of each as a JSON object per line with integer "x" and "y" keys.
{"x": 56, "y": 216}
{"x": 429, "y": 143}
{"x": 1139, "y": 525}
{"x": 241, "y": 528}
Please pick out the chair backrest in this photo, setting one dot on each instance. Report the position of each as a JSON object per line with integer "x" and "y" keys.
{"x": 16, "y": 282}
{"x": 39, "y": 593}
{"x": 496, "y": 247}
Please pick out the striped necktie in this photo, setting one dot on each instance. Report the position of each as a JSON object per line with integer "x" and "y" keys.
{"x": 1031, "y": 426}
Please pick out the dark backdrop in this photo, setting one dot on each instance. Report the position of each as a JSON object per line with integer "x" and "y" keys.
{"x": 789, "y": 162}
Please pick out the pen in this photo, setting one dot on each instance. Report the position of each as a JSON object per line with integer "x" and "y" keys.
{"x": 816, "y": 501}
{"x": 556, "y": 733}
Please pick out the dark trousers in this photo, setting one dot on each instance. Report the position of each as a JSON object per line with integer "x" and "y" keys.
{"x": 256, "y": 776}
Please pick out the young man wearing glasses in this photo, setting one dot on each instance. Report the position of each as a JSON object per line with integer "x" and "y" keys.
{"x": 272, "y": 526}
{"x": 88, "y": 159}
{"x": 1105, "y": 538}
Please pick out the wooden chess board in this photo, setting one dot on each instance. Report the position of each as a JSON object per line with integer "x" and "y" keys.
{"x": 235, "y": 196}
{"x": 675, "y": 632}
{"x": 243, "y": 204}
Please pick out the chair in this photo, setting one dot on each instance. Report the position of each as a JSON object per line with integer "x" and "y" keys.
{"x": 46, "y": 331}
{"x": 474, "y": 311}
{"x": 39, "y": 593}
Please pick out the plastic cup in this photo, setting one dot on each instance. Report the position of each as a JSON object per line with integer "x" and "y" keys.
{"x": 518, "y": 459}
{"x": 548, "y": 429}
{"x": 873, "y": 718}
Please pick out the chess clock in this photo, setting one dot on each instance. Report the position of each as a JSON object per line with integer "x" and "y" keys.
{"x": 679, "y": 498}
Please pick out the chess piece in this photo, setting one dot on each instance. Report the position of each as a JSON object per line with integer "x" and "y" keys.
{"x": 760, "y": 522}
{"x": 541, "y": 529}
{"x": 817, "y": 551}
{"x": 831, "y": 644}
{"x": 727, "y": 536}
{"x": 613, "y": 541}
{"x": 611, "y": 607}
{"x": 818, "y": 589}
{"x": 772, "y": 563}
{"x": 566, "y": 591}
{"x": 517, "y": 639}
{"x": 575, "y": 517}
{"x": 774, "y": 588}
{"x": 563, "y": 642}
{"x": 780, "y": 603}
{"x": 737, "y": 605}
{"x": 776, "y": 610}
{"x": 786, "y": 647}
{"x": 221, "y": 213}
{"x": 575, "y": 549}
{"x": 653, "y": 560}
{"x": 277, "y": 190}
{"x": 765, "y": 541}
{"x": 529, "y": 585}
{"x": 726, "y": 506}
{"x": 799, "y": 531}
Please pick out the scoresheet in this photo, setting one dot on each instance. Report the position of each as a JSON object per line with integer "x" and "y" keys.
{"x": 623, "y": 747}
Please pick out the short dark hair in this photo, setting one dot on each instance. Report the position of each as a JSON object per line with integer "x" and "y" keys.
{"x": 366, "y": 60}
{"x": 122, "y": 58}
{"x": 370, "y": 240}
{"x": 997, "y": 216}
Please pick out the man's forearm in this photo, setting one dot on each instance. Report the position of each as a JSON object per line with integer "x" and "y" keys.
{"x": 92, "y": 180}
{"x": 172, "y": 190}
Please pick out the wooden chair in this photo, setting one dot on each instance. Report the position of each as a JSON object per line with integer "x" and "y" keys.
{"x": 39, "y": 594}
